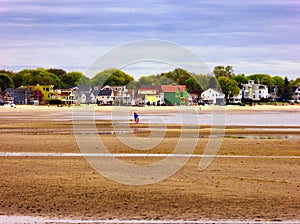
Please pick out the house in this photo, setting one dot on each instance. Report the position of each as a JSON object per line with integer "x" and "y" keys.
{"x": 255, "y": 92}
{"x": 174, "y": 94}
{"x": 213, "y": 96}
{"x": 66, "y": 96}
{"x": 236, "y": 99}
{"x": 105, "y": 96}
{"x": 122, "y": 95}
{"x": 296, "y": 94}
{"x": 273, "y": 95}
{"x": 152, "y": 95}
{"x": 85, "y": 95}
{"x": 6, "y": 98}
{"x": 17, "y": 96}
{"x": 47, "y": 91}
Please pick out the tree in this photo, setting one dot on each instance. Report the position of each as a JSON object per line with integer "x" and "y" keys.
{"x": 193, "y": 86}
{"x": 84, "y": 81}
{"x": 71, "y": 78}
{"x": 228, "y": 86}
{"x": 278, "y": 81}
{"x": 295, "y": 82}
{"x": 146, "y": 81}
{"x": 39, "y": 76}
{"x": 164, "y": 81}
{"x": 285, "y": 91}
{"x": 57, "y": 71}
{"x": 178, "y": 75}
{"x": 241, "y": 79}
{"x": 262, "y": 78}
{"x": 111, "y": 77}
{"x": 224, "y": 71}
{"x": 203, "y": 80}
{"x": 6, "y": 82}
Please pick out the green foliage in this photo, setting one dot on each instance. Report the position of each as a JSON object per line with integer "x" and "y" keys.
{"x": 71, "y": 78}
{"x": 84, "y": 81}
{"x": 39, "y": 76}
{"x": 18, "y": 79}
{"x": 164, "y": 81}
{"x": 57, "y": 71}
{"x": 285, "y": 91}
{"x": 203, "y": 80}
{"x": 295, "y": 82}
{"x": 262, "y": 78}
{"x": 278, "y": 81}
{"x": 146, "y": 80}
{"x": 241, "y": 79}
{"x": 6, "y": 81}
{"x": 193, "y": 85}
{"x": 111, "y": 77}
{"x": 178, "y": 75}
{"x": 132, "y": 85}
{"x": 228, "y": 86}
{"x": 224, "y": 71}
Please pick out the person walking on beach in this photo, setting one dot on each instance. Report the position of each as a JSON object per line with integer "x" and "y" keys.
{"x": 136, "y": 118}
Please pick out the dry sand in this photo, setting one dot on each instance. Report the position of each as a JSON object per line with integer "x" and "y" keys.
{"x": 240, "y": 188}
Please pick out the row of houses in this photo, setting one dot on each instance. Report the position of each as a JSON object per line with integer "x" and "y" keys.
{"x": 37, "y": 94}
{"x": 146, "y": 95}
{"x": 107, "y": 95}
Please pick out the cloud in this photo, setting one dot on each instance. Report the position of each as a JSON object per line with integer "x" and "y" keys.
{"x": 71, "y": 33}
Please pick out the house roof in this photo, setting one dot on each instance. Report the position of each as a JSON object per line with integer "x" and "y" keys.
{"x": 215, "y": 90}
{"x": 172, "y": 89}
{"x": 158, "y": 88}
{"x": 105, "y": 93}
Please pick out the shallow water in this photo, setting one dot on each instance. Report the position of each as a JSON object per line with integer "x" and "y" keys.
{"x": 277, "y": 118}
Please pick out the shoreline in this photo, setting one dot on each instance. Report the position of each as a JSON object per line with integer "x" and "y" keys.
{"x": 228, "y": 108}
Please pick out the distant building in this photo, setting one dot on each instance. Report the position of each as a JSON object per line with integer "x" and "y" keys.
{"x": 175, "y": 94}
{"x": 6, "y": 98}
{"x": 213, "y": 96}
{"x": 296, "y": 94}
{"x": 152, "y": 95}
{"x": 105, "y": 96}
{"x": 121, "y": 94}
{"x": 47, "y": 91}
{"x": 17, "y": 96}
{"x": 273, "y": 95}
{"x": 66, "y": 96}
{"x": 255, "y": 92}
{"x": 236, "y": 99}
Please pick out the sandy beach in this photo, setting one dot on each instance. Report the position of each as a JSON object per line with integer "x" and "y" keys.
{"x": 255, "y": 175}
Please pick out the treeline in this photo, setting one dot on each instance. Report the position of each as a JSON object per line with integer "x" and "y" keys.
{"x": 224, "y": 78}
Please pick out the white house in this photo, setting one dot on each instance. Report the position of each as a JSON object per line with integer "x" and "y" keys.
{"x": 254, "y": 91}
{"x": 236, "y": 99}
{"x": 212, "y": 96}
{"x": 296, "y": 94}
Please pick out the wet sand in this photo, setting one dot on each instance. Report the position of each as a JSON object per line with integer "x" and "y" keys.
{"x": 262, "y": 186}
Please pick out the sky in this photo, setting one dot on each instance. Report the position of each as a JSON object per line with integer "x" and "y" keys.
{"x": 253, "y": 36}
